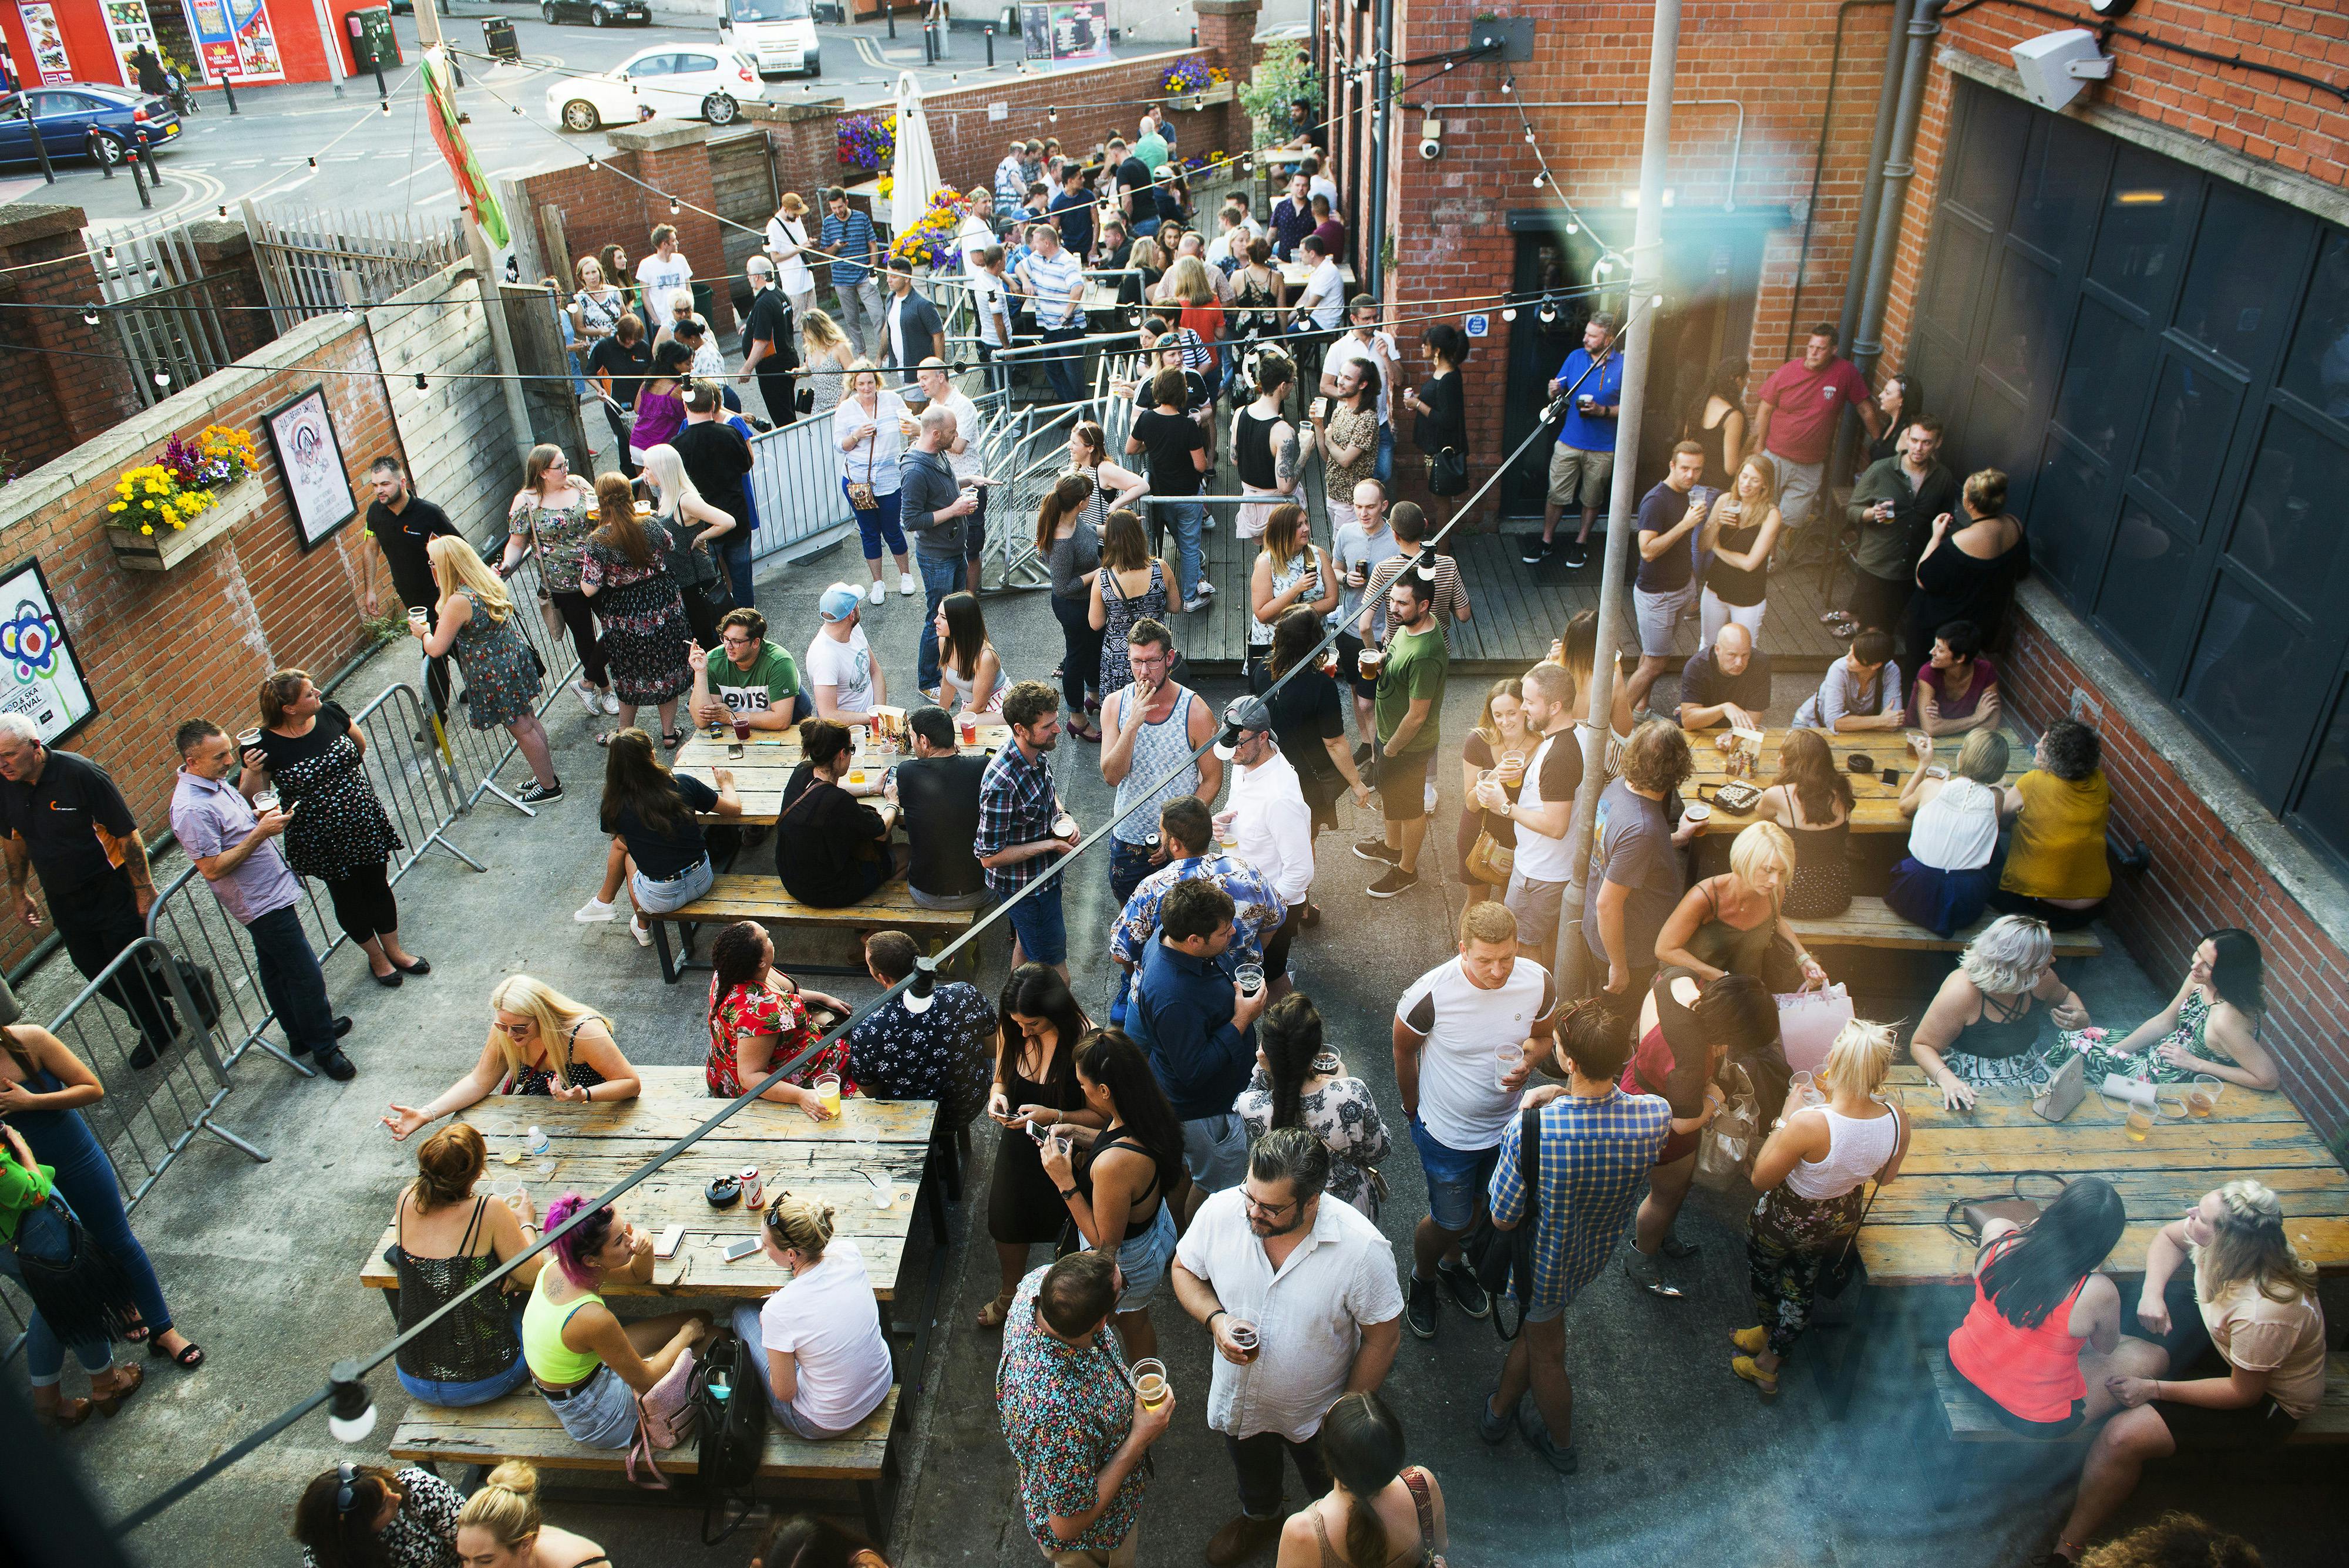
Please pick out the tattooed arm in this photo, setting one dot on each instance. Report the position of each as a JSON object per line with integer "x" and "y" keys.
{"x": 1288, "y": 452}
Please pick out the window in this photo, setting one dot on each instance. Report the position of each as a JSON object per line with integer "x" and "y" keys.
{"x": 690, "y": 65}
{"x": 2230, "y": 304}
{"x": 2318, "y": 369}
{"x": 2145, "y": 218}
{"x": 652, "y": 66}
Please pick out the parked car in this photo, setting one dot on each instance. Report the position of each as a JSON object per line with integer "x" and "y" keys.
{"x": 778, "y": 35}
{"x": 83, "y": 120}
{"x": 596, "y": 13}
{"x": 705, "y": 83}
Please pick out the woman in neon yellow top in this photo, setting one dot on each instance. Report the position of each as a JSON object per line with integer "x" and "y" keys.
{"x": 587, "y": 1364}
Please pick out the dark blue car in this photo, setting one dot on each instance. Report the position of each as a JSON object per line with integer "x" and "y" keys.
{"x": 83, "y": 120}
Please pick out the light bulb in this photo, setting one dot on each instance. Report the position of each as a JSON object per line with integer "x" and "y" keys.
{"x": 383, "y": 104}
{"x": 1051, "y": 115}
{"x": 918, "y": 996}
{"x": 515, "y": 108}
{"x": 351, "y": 1416}
{"x": 420, "y": 382}
{"x": 1602, "y": 268}
{"x": 1505, "y": 88}
{"x": 672, "y": 208}
{"x": 89, "y": 315}
{"x": 1572, "y": 227}
{"x": 110, "y": 255}
{"x": 1509, "y": 313}
{"x": 591, "y": 161}
{"x": 224, "y": 209}
{"x": 1548, "y": 312}
{"x": 314, "y": 162}
{"x": 1655, "y": 302}
{"x": 1529, "y": 136}
{"x": 162, "y": 378}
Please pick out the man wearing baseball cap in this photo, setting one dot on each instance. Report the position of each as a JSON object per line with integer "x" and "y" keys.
{"x": 841, "y": 673}
{"x": 1271, "y": 822}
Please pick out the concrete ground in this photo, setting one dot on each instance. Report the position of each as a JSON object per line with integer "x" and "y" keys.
{"x": 1679, "y": 1462}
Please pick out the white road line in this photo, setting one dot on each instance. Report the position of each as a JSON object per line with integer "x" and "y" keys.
{"x": 434, "y": 167}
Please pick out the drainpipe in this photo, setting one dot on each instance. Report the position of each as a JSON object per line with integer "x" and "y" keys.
{"x": 1374, "y": 241}
{"x": 1871, "y": 189}
{"x": 1866, "y": 345}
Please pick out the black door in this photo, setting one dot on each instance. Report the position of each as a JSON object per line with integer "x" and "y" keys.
{"x": 1548, "y": 327}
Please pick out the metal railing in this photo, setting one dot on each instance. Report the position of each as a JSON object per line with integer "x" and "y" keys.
{"x": 421, "y": 796}
{"x": 795, "y": 484}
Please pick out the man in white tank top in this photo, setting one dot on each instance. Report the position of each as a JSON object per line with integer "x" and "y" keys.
{"x": 1542, "y": 811}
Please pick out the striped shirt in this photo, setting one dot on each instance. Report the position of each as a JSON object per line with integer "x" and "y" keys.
{"x": 1049, "y": 282}
{"x": 849, "y": 237}
{"x": 1591, "y": 1168}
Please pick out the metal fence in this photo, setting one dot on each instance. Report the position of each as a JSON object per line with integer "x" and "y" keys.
{"x": 418, "y": 792}
{"x": 161, "y": 305}
{"x": 316, "y": 262}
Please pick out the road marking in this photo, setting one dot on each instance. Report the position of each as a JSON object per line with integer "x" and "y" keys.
{"x": 869, "y": 52}
{"x": 404, "y": 179}
{"x": 242, "y": 164}
{"x": 346, "y": 157}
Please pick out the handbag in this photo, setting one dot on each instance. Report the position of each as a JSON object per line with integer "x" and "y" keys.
{"x": 1489, "y": 860}
{"x": 860, "y": 495}
{"x": 1837, "y": 1277}
{"x": 1966, "y": 1217}
{"x": 1499, "y": 1256}
{"x": 665, "y": 1419}
{"x": 1727, "y": 1147}
{"x": 1808, "y": 1022}
{"x": 2063, "y": 1091}
{"x": 1447, "y": 471}
{"x": 730, "y": 1409}
{"x": 83, "y": 1294}
{"x": 549, "y": 617}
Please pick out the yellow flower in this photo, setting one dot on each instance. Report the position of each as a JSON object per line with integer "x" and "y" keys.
{"x": 120, "y": 506}
{"x": 146, "y": 527}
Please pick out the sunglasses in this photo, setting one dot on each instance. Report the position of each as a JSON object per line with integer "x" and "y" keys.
{"x": 346, "y": 1495}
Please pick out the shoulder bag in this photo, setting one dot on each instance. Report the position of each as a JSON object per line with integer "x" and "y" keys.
{"x": 1966, "y": 1217}
{"x": 1490, "y": 860}
{"x": 664, "y": 1419}
{"x": 1837, "y": 1275}
{"x": 1447, "y": 471}
{"x": 1424, "y": 1503}
{"x": 729, "y": 1401}
{"x": 861, "y": 497}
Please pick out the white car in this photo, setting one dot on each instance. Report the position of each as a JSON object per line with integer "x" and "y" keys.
{"x": 696, "y": 82}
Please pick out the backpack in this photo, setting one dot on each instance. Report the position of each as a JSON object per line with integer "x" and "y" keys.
{"x": 730, "y": 1395}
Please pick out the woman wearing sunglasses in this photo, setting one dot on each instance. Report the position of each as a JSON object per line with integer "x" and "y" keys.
{"x": 364, "y": 1516}
{"x": 827, "y": 1363}
{"x": 541, "y": 1043}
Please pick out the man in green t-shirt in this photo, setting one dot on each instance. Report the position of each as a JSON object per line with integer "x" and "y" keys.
{"x": 746, "y": 676}
{"x": 1408, "y": 708}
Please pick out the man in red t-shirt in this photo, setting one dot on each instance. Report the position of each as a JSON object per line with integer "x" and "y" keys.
{"x": 1796, "y": 424}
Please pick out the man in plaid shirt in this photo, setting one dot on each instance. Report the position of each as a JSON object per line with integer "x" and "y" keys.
{"x": 1017, "y": 807}
{"x": 1597, "y": 1143}
{"x": 1186, "y": 835}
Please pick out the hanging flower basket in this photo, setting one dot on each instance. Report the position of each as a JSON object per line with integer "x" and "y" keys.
{"x": 168, "y": 547}
{"x": 162, "y": 512}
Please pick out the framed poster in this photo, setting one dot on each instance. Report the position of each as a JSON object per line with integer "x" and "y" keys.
{"x": 1059, "y": 30}
{"x": 49, "y": 43}
{"x": 128, "y": 23}
{"x": 235, "y": 38}
{"x": 310, "y": 455}
{"x": 39, "y": 676}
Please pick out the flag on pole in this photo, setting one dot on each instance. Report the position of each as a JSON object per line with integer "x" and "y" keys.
{"x": 463, "y": 167}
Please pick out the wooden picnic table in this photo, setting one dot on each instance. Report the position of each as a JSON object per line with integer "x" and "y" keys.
{"x": 1875, "y": 808}
{"x": 765, "y": 767}
{"x": 1974, "y": 1154}
{"x": 595, "y": 1145}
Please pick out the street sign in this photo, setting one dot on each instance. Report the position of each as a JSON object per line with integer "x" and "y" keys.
{"x": 1479, "y": 326}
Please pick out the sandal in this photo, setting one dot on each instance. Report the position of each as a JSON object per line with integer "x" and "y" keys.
{"x": 134, "y": 1374}
{"x": 992, "y": 1314}
{"x": 1743, "y": 1366}
{"x": 673, "y": 739}
{"x": 136, "y": 1332}
{"x": 68, "y": 1413}
{"x": 188, "y": 1357}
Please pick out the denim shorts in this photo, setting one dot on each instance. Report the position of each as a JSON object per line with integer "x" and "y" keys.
{"x": 1037, "y": 921}
{"x": 600, "y": 1412}
{"x": 660, "y": 898}
{"x": 1143, "y": 1261}
{"x": 459, "y": 1396}
{"x": 1457, "y": 1180}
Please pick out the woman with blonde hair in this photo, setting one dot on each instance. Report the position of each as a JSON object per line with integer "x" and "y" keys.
{"x": 1811, "y": 799}
{"x": 540, "y": 1042}
{"x": 2242, "y": 1327}
{"x": 871, "y": 426}
{"x": 1944, "y": 882}
{"x": 1200, "y": 312}
{"x": 1741, "y": 531}
{"x": 1813, "y": 1175}
{"x": 1072, "y": 545}
{"x": 1132, "y": 586}
{"x": 626, "y": 570}
{"x": 825, "y": 357}
{"x": 1981, "y": 1027}
{"x": 1500, "y": 731}
{"x": 475, "y": 622}
{"x": 788, "y": 242}
{"x": 1575, "y": 650}
{"x": 446, "y": 1239}
{"x": 827, "y": 1363}
{"x": 1731, "y": 924}
{"x": 692, "y": 523}
{"x": 501, "y": 1527}
{"x": 1290, "y": 569}
{"x": 596, "y": 308}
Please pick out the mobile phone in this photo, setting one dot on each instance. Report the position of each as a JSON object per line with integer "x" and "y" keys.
{"x": 1037, "y": 1133}
{"x": 670, "y": 1239}
{"x": 736, "y": 1250}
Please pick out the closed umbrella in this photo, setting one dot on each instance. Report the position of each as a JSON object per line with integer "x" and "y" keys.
{"x": 916, "y": 166}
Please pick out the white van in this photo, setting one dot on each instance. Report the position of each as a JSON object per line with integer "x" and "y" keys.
{"x": 779, "y": 34}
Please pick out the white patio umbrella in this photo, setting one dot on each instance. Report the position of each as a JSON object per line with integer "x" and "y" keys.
{"x": 915, "y": 165}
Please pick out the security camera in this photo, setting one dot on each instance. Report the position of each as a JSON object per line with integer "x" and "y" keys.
{"x": 1430, "y": 140}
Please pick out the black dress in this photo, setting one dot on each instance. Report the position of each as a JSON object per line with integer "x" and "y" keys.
{"x": 341, "y": 829}
{"x": 1954, "y": 585}
{"x": 830, "y": 846}
{"x": 1024, "y": 1204}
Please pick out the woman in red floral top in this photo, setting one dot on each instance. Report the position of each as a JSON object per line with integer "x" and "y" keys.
{"x": 757, "y": 1016}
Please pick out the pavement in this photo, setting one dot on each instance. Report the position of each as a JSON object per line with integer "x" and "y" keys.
{"x": 1680, "y": 1461}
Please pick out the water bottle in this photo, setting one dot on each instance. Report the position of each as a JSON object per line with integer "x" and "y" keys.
{"x": 539, "y": 1143}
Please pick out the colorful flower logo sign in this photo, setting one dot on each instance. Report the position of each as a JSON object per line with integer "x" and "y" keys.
{"x": 38, "y": 675}
{"x": 29, "y": 640}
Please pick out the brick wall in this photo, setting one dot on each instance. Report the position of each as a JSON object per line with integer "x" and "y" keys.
{"x": 67, "y": 379}
{"x": 1449, "y": 222}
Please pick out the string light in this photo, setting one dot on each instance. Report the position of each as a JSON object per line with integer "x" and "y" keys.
{"x": 162, "y": 378}
{"x": 383, "y": 104}
{"x": 89, "y": 315}
{"x": 110, "y": 255}
{"x": 591, "y": 162}
{"x": 1572, "y": 227}
{"x": 1509, "y": 313}
{"x": 224, "y": 209}
{"x": 1540, "y": 179}
{"x": 1051, "y": 115}
{"x": 420, "y": 382}
{"x": 1548, "y": 312}
{"x": 314, "y": 162}
{"x": 672, "y": 208}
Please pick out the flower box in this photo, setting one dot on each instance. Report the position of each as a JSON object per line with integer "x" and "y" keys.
{"x": 1206, "y": 97}
{"x": 167, "y": 547}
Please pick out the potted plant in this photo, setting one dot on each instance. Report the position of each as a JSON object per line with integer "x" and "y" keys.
{"x": 1280, "y": 80}
{"x": 164, "y": 512}
{"x": 1192, "y": 84}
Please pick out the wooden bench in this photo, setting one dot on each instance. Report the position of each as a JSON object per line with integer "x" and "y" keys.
{"x": 522, "y": 1426}
{"x": 1973, "y": 1420}
{"x": 1868, "y": 923}
{"x": 756, "y": 895}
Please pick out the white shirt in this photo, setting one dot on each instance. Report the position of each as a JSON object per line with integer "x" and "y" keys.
{"x": 846, "y": 666}
{"x": 1540, "y": 857}
{"x": 709, "y": 360}
{"x": 974, "y": 236}
{"x": 829, "y": 1319}
{"x": 661, "y": 279}
{"x": 1323, "y": 186}
{"x": 1350, "y": 347}
{"x": 1219, "y": 249}
{"x": 1956, "y": 830}
{"x": 1328, "y": 292}
{"x": 987, "y": 299}
{"x": 1461, "y": 1101}
{"x": 1274, "y": 825}
{"x": 957, "y": 402}
{"x": 1308, "y": 1317}
{"x": 875, "y": 460}
{"x": 784, "y": 238}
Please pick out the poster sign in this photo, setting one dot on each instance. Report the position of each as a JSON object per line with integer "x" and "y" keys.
{"x": 1064, "y": 29}
{"x": 128, "y": 23}
{"x": 310, "y": 456}
{"x": 49, "y": 43}
{"x": 235, "y": 38}
{"x": 1478, "y": 325}
{"x": 39, "y": 676}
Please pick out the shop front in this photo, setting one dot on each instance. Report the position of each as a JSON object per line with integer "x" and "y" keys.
{"x": 256, "y": 41}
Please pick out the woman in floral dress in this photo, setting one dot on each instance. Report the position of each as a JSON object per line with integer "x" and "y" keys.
{"x": 554, "y": 513}
{"x": 758, "y": 1016}
{"x": 475, "y": 622}
{"x": 2211, "y": 1028}
{"x": 1298, "y": 1083}
{"x": 625, "y": 569}
{"x": 1131, "y": 584}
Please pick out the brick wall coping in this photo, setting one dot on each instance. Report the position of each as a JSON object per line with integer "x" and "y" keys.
{"x": 40, "y": 221}
{"x": 1227, "y": 7}
{"x": 2296, "y": 868}
{"x": 2330, "y": 202}
{"x": 983, "y": 92}
{"x": 656, "y": 136}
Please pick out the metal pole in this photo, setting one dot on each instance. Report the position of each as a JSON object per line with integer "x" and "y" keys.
{"x": 1923, "y": 29}
{"x": 991, "y": 44}
{"x": 381, "y": 89}
{"x": 889, "y": 8}
{"x": 41, "y": 153}
{"x": 228, "y": 91}
{"x": 1374, "y": 244}
{"x": 1572, "y": 955}
{"x": 1871, "y": 189}
{"x": 131, "y": 158}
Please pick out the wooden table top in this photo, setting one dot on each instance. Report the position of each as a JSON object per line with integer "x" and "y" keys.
{"x": 593, "y": 1145}
{"x": 1962, "y": 1155}
{"x": 1875, "y": 807}
{"x": 764, "y": 768}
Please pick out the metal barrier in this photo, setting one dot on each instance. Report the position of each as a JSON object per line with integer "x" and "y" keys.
{"x": 417, "y": 793}
{"x": 795, "y": 484}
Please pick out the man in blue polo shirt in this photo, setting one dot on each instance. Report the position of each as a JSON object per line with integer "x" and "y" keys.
{"x": 1582, "y": 465}
{"x": 1198, "y": 1028}
{"x": 848, "y": 236}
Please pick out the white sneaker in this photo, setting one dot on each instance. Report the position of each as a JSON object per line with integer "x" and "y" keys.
{"x": 906, "y": 584}
{"x": 589, "y": 698}
{"x": 1206, "y": 589}
{"x": 878, "y": 593}
{"x": 594, "y": 912}
{"x": 636, "y": 930}
{"x": 611, "y": 701}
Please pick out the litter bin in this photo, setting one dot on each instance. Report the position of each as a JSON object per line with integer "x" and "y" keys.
{"x": 374, "y": 45}
{"x": 498, "y": 34}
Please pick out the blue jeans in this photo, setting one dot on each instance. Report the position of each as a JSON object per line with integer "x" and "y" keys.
{"x": 879, "y": 525}
{"x": 1038, "y": 923}
{"x": 1127, "y": 865}
{"x": 1382, "y": 467}
{"x": 738, "y": 567}
{"x": 1065, "y": 369}
{"x": 941, "y": 576}
{"x": 1186, "y": 518}
{"x": 1457, "y": 1179}
{"x": 41, "y": 1233}
{"x": 291, "y": 980}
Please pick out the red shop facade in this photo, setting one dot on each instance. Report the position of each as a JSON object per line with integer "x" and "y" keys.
{"x": 53, "y": 42}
